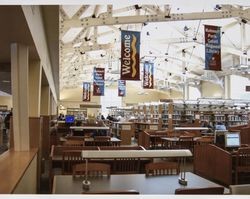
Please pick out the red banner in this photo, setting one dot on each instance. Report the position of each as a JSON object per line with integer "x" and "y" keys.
{"x": 212, "y": 48}
{"x": 98, "y": 83}
{"x": 130, "y": 55}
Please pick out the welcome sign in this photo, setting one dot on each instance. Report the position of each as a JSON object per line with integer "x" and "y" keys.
{"x": 86, "y": 91}
{"x": 130, "y": 55}
{"x": 148, "y": 75}
{"x": 98, "y": 84}
{"x": 212, "y": 48}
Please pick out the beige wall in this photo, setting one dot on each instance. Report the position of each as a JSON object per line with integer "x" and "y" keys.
{"x": 6, "y": 100}
{"x": 209, "y": 89}
{"x": 28, "y": 183}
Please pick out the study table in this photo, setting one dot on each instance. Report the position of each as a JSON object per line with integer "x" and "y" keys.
{"x": 165, "y": 184}
{"x": 80, "y": 130}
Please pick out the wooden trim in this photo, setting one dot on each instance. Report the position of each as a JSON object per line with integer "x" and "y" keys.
{"x": 13, "y": 165}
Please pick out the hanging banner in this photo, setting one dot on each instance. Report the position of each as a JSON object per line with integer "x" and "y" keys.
{"x": 86, "y": 92}
{"x": 148, "y": 75}
{"x": 130, "y": 55}
{"x": 212, "y": 48}
{"x": 121, "y": 88}
{"x": 98, "y": 84}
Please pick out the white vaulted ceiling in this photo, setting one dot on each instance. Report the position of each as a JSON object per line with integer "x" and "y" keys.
{"x": 90, "y": 36}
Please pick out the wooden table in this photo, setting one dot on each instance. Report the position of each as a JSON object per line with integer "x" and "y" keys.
{"x": 80, "y": 130}
{"x": 170, "y": 142}
{"x": 113, "y": 140}
{"x": 66, "y": 184}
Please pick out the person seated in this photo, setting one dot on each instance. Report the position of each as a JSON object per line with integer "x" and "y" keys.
{"x": 220, "y": 126}
{"x": 206, "y": 124}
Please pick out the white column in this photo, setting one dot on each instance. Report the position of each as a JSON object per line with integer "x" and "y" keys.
{"x": 227, "y": 87}
{"x": 45, "y": 100}
{"x": 35, "y": 78}
{"x": 20, "y": 96}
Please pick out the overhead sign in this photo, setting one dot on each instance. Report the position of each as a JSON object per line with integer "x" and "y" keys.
{"x": 130, "y": 55}
{"x": 212, "y": 48}
{"x": 86, "y": 91}
{"x": 148, "y": 75}
{"x": 98, "y": 83}
{"x": 121, "y": 88}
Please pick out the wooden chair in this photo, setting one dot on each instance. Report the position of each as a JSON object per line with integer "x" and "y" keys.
{"x": 129, "y": 191}
{"x": 70, "y": 158}
{"x": 94, "y": 169}
{"x": 201, "y": 191}
{"x": 126, "y": 165}
{"x": 74, "y": 143}
{"x": 242, "y": 163}
{"x": 102, "y": 141}
{"x": 186, "y": 142}
{"x": 162, "y": 168}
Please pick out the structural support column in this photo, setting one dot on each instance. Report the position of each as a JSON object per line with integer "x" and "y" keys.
{"x": 35, "y": 76}
{"x": 186, "y": 91}
{"x": 227, "y": 87}
{"x": 20, "y": 96}
{"x": 45, "y": 100}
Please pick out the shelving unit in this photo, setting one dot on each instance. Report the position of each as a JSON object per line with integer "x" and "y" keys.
{"x": 77, "y": 112}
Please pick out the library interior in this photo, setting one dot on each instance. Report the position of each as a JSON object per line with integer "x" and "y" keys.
{"x": 125, "y": 98}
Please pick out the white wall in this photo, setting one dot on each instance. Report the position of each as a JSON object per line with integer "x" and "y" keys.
{"x": 194, "y": 93}
{"x": 210, "y": 90}
{"x": 238, "y": 87}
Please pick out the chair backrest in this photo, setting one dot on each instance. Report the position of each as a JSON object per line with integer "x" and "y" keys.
{"x": 186, "y": 142}
{"x": 73, "y": 143}
{"x": 70, "y": 158}
{"x": 162, "y": 168}
{"x": 121, "y": 148}
{"x": 94, "y": 169}
{"x": 243, "y": 159}
{"x": 130, "y": 191}
{"x": 201, "y": 191}
{"x": 102, "y": 141}
{"x": 126, "y": 165}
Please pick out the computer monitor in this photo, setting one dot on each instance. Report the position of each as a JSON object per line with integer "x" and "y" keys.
{"x": 232, "y": 140}
{"x": 69, "y": 119}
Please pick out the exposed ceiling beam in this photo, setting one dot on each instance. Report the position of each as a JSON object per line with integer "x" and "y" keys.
{"x": 86, "y": 22}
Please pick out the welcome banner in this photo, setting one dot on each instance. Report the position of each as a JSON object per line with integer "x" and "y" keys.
{"x": 130, "y": 55}
{"x": 121, "y": 88}
{"x": 148, "y": 75}
{"x": 212, "y": 48}
{"x": 86, "y": 92}
{"x": 98, "y": 84}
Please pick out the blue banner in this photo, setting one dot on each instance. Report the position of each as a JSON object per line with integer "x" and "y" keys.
{"x": 212, "y": 48}
{"x": 98, "y": 84}
{"x": 148, "y": 75}
{"x": 130, "y": 55}
{"x": 121, "y": 88}
{"x": 86, "y": 91}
